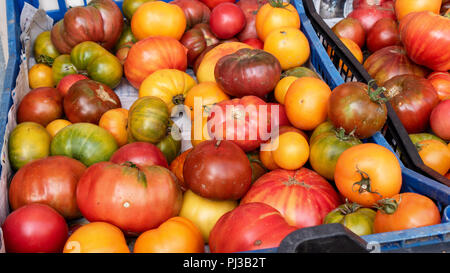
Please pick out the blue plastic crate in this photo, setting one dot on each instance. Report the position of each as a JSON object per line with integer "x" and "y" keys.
{"x": 412, "y": 181}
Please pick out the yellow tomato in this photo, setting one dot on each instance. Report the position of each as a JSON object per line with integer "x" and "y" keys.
{"x": 282, "y": 87}
{"x": 170, "y": 85}
{"x": 274, "y": 15}
{"x": 435, "y": 155}
{"x": 206, "y": 94}
{"x": 115, "y": 121}
{"x": 56, "y": 125}
{"x": 40, "y": 75}
{"x": 289, "y": 45}
{"x": 292, "y": 151}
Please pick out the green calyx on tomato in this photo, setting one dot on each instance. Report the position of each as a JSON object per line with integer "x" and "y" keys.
{"x": 141, "y": 178}
{"x": 356, "y": 218}
{"x": 388, "y": 205}
{"x": 364, "y": 183}
{"x": 279, "y": 3}
{"x": 375, "y": 94}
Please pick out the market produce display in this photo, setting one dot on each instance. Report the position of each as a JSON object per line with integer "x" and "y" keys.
{"x": 274, "y": 147}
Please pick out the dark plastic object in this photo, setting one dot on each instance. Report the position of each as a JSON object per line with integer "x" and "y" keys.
{"x": 330, "y": 238}
{"x": 351, "y": 70}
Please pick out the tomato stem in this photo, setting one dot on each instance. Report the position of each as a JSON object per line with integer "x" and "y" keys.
{"x": 349, "y": 208}
{"x": 388, "y": 205}
{"x": 43, "y": 59}
{"x": 376, "y": 94}
{"x": 278, "y": 3}
{"x": 340, "y": 134}
{"x": 178, "y": 99}
{"x": 364, "y": 183}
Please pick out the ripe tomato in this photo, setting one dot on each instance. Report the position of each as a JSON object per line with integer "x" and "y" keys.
{"x": 195, "y": 11}
{"x": 250, "y": 9}
{"x": 97, "y": 237}
{"x": 306, "y": 102}
{"x": 440, "y": 120}
{"x": 44, "y": 50}
{"x": 292, "y": 151}
{"x": 254, "y": 42}
{"x": 366, "y": 173}
{"x": 157, "y": 18}
{"x": 265, "y": 155}
{"x": 368, "y": 16}
{"x": 282, "y": 87}
{"x": 40, "y": 75}
{"x": 383, "y": 34}
{"x": 176, "y": 235}
{"x": 143, "y": 154}
{"x": 404, "y": 7}
{"x": 34, "y": 228}
{"x": 441, "y": 83}
{"x": 115, "y": 121}
{"x": 404, "y": 211}
{"x": 435, "y": 155}
{"x": 289, "y": 45}
{"x": 207, "y": 94}
{"x": 176, "y": 167}
{"x": 41, "y": 105}
{"x": 352, "y": 29}
{"x": 213, "y": 3}
{"x": 227, "y": 20}
{"x": 203, "y": 212}
{"x": 273, "y": 15}
{"x": 55, "y": 126}
{"x": 67, "y": 81}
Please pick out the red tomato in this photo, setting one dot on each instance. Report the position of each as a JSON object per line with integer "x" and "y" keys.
{"x": 213, "y": 3}
{"x": 41, "y": 105}
{"x": 441, "y": 83}
{"x": 249, "y": 227}
{"x": 352, "y": 29}
{"x": 66, "y": 82}
{"x": 254, "y": 42}
{"x": 143, "y": 154}
{"x": 440, "y": 120}
{"x": 35, "y": 228}
{"x": 369, "y": 3}
{"x": 250, "y": 8}
{"x": 384, "y": 33}
{"x": 282, "y": 116}
{"x": 368, "y": 16}
{"x": 281, "y": 189}
{"x": 227, "y": 20}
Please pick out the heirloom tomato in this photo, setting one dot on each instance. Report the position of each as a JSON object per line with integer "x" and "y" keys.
{"x": 435, "y": 155}
{"x": 207, "y": 94}
{"x": 41, "y": 105}
{"x": 441, "y": 83}
{"x": 55, "y": 126}
{"x": 115, "y": 122}
{"x": 176, "y": 166}
{"x": 440, "y": 120}
{"x": 352, "y": 216}
{"x": 292, "y": 151}
{"x": 352, "y": 29}
{"x": 196, "y": 12}
{"x": 142, "y": 154}
{"x": 383, "y": 34}
{"x": 227, "y": 20}
{"x": 44, "y": 50}
{"x": 40, "y": 75}
{"x": 368, "y": 16}
{"x": 129, "y": 7}
{"x": 404, "y": 7}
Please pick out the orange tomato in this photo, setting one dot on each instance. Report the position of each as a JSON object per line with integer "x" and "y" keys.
{"x": 157, "y": 18}
{"x": 205, "y": 71}
{"x": 56, "y": 125}
{"x": 274, "y": 15}
{"x": 40, "y": 75}
{"x": 199, "y": 131}
{"x": 435, "y": 155}
{"x": 366, "y": 173}
{"x": 306, "y": 102}
{"x": 403, "y": 7}
{"x": 176, "y": 166}
{"x": 289, "y": 45}
{"x": 115, "y": 121}
{"x": 292, "y": 151}
{"x": 354, "y": 49}
{"x": 209, "y": 93}
{"x": 266, "y": 157}
{"x": 409, "y": 210}
{"x": 97, "y": 237}
{"x": 282, "y": 87}
{"x": 176, "y": 235}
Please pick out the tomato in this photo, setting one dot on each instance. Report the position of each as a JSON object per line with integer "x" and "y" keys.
{"x": 157, "y": 18}
{"x": 258, "y": 168}
{"x": 34, "y": 228}
{"x": 289, "y": 45}
{"x": 176, "y": 166}
{"x": 227, "y": 20}
{"x": 131, "y": 197}
{"x": 281, "y": 189}
{"x": 354, "y": 50}
{"x": 41, "y": 105}
{"x": 97, "y": 237}
{"x": 40, "y": 75}
{"x": 250, "y": 9}
{"x": 282, "y": 87}
{"x": 306, "y": 102}
{"x": 115, "y": 122}
{"x": 218, "y": 169}
{"x": 176, "y": 235}
{"x": 426, "y": 40}
{"x": 126, "y": 38}
{"x": 62, "y": 67}
{"x": 101, "y": 21}
{"x": 274, "y": 15}
{"x": 424, "y": 136}
{"x": 267, "y": 157}
{"x": 210, "y": 93}
{"x": 352, "y": 29}
{"x": 170, "y": 145}
{"x": 148, "y": 120}
{"x": 213, "y": 3}
{"x": 368, "y": 110}
{"x": 368, "y": 16}
{"x": 366, "y": 173}
{"x": 85, "y": 142}
{"x": 142, "y": 154}
{"x": 435, "y": 155}
{"x": 282, "y": 116}
{"x": 55, "y": 126}
{"x": 129, "y": 7}
{"x": 325, "y": 127}
{"x": 292, "y": 151}
{"x": 384, "y": 33}
{"x": 88, "y": 100}
{"x": 199, "y": 131}
{"x": 170, "y": 85}
{"x": 389, "y": 62}
{"x": 27, "y": 142}
{"x": 152, "y": 54}
{"x": 404, "y": 7}
{"x": 196, "y": 12}
{"x": 249, "y": 227}
{"x": 205, "y": 70}
{"x": 300, "y": 72}
{"x": 67, "y": 81}
{"x": 245, "y": 121}
{"x": 404, "y": 211}
{"x": 441, "y": 83}
{"x": 248, "y": 72}
{"x": 326, "y": 149}
{"x": 413, "y": 98}
{"x": 440, "y": 120}
{"x": 209, "y": 36}
{"x": 122, "y": 53}
{"x": 352, "y": 216}
{"x": 44, "y": 50}
{"x": 367, "y": 3}
{"x": 254, "y": 42}
{"x": 36, "y": 182}
{"x": 195, "y": 42}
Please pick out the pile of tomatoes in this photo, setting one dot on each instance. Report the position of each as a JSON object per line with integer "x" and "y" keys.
{"x": 276, "y": 150}
{"x": 404, "y": 47}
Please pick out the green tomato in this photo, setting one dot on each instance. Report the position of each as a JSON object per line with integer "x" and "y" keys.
{"x": 170, "y": 146}
{"x": 424, "y": 136}
{"x": 62, "y": 66}
{"x": 129, "y": 7}
{"x": 44, "y": 50}
{"x": 126, "y": 37}
{"x": 300, "y": 72}
{"x": 326, "y": 126}
{"x": 352, "y": 216}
